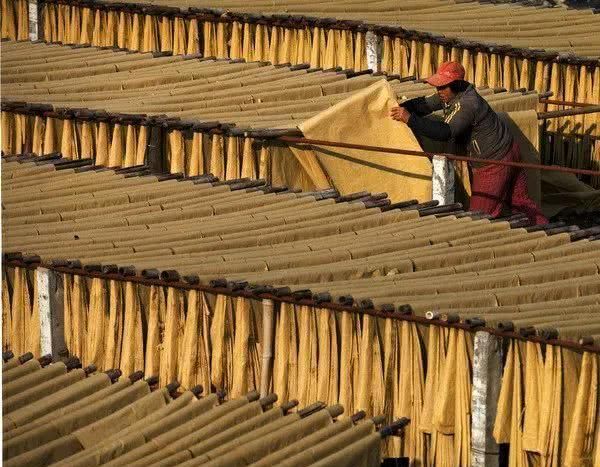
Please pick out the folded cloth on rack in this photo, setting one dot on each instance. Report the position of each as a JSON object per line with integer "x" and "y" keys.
{"x": 364, "y": 118}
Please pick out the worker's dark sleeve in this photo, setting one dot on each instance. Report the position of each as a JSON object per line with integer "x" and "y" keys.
{"x": 432, "y": 129}
{"x": 462, "y": 117}
{"x": 460, "y": 120}
{"x": 422, "y": 106}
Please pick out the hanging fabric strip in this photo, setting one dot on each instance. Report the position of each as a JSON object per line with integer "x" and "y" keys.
{"x": 97, "y": 324}
{"x": 155, "y": 330}
{"x": 114, "y": 329}
{"x": 176, "y": 152}
{"x": 233, "y": 158}
{"x": 20, "y": 308}
{"x": 7, "y": 338}
{"x": 132, "y": 354}
{"x": 117, "y": 147}
{"x": 172, "y": 341}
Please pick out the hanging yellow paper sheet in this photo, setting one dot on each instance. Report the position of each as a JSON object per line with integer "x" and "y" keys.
{"x": 364, "y": 118}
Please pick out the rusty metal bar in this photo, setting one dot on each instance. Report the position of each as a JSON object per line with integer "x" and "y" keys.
{"x": 523, "y": 165}
{"x": 471, "y": 325}
{"x": 569, "y": 112}
{"x": 566, "y": 103}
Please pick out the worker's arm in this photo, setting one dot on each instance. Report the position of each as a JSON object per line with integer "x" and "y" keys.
{"x": 459, "y": 121}
{"x": 422, "y": 106}
{"x": 432, "y": 129}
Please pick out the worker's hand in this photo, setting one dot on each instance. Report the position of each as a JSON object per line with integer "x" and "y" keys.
{"x": 400, "y": 114}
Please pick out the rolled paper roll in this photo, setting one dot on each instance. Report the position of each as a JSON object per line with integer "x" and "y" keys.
{"x": 136, "y": 376}
{"x": 110, "y": 269}
{"x": 506, "y": 326}
{"x": 450, "y": 318}
{"x": 527, "y": 331}
{"x": 191, "y": 279}
{"x": 283, "y": 292}
{"x": 170, "y": 275}
{"x": 197, "y": 390}
{"x": 475, "y": 322}
{"x": 127, "y": 270}
{"x": 312, "y": 408}
{"x": 268, "y": 401}
{"x": 432, "y": 315}
{"x": 289, "y": 405}
{"x": 335, "y": 410}
{"x": 322, "y": 297}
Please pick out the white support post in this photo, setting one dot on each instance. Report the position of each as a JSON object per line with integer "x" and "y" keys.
{"x": 50, "y": 303}
{"x": 442, "y": 182}
{"x": 373, "y": 43}
{"x": 268, "y": 318}
{"x": 487, "y": 373}
{"x": 33, "y": 20}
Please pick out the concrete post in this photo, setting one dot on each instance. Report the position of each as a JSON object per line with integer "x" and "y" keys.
{"x": 373, "y": 43}
{"x": 33, "y": 20}
{"x": 442, "y": 182}
{"x": 50, "y": 302}
{"x": 487, "y": 372}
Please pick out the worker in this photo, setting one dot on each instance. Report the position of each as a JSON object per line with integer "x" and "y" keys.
{"x": 469, "y": 120}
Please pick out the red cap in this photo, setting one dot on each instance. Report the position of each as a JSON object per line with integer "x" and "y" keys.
{"x": 447, "y": 72}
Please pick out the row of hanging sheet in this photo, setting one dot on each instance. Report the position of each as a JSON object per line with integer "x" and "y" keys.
{"x": 486, "y": 269}
{"x": 246, "y": 98}
{"x": 546, "y": 405}
{"x": 59, "y": 414}
{"x": 293, "y": 239}
{"x": 575, "y": 31}
{"x": 557, "y": 29}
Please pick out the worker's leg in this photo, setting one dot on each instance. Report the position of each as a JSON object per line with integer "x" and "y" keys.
{"x": 521, "y": 202}
{"x": 489, "y": 188}
{"x": 519, "y": 196}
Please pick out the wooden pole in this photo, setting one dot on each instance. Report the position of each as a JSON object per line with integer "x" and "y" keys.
{"x": 268, "y": 312}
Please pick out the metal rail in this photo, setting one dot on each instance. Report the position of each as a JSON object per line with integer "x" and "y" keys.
{"x": 406, "y": 152}
{"x": 565, "y": 103}
{"x": 262, "y": 293}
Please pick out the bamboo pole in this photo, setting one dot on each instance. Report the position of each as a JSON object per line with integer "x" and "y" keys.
{"x": 268, "y": 311}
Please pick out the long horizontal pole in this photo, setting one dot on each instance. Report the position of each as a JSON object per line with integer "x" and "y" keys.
{"x": 406, "y": 152}
{"x": 569, "y": 112}
{"x": 566, "y": 103}
{"x": 578, "y": 346}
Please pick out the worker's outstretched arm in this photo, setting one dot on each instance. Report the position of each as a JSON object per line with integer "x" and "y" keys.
{"x": 422, "y": 106}
{"x": 456, "y": 123}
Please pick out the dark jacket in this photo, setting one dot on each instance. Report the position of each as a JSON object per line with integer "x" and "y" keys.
{"x": 468, "y": 120}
